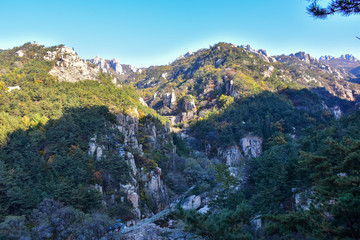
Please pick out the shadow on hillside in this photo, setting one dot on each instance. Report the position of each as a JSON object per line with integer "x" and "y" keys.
{"x": 272, "y": 116}
{"x": 51, "y": 161}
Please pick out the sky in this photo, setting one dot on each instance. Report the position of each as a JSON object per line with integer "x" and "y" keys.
{"x": 144, "y": 33}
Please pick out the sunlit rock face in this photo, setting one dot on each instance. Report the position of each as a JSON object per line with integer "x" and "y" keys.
{"x": 69, "y": 67}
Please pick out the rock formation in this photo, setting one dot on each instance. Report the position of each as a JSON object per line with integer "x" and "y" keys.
{"x": 69, "y": 67}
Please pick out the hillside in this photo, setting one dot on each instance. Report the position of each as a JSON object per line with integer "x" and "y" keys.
{"x": 241, "y": 144}
{"x": 347, "y": 63}
{"x": 192, "y": 86}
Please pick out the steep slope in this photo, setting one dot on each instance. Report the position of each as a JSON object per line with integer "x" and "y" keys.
{"x": 346, "y": 62}
{"x": 191, "y": 86}
{"x": 88, "y": 144}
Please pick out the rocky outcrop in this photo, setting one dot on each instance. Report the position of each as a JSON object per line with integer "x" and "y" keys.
{"x": 189, "y": 105}
{"x": 141, "y": 181}
{"x": 69, "y": 67}
{"x": 191, "y": 203}
{"x": 232, "y": 156}
{"x": 261, "y": 53}
{"x": 326, "y": 58}
{"x": 349, "y": 57}
{"x": 235, "y": 156}
{"x": 114, "y": 67}
{"x": 336, "y": 111}
{"x": 251, "y": 146}
{"x": 169, "y": 100}
{"x": 20, "y": 53}
{"x": 155, "y": 189}
{"x": 307, "y": 58}
{"x": 128, "y": 126}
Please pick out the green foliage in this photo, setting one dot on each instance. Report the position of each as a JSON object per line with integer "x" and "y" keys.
{"x": 225, "y": 224}
{"x": 181, "y": 147}
{"x": 345, "y": 8}
{"x": 223, "y": 176}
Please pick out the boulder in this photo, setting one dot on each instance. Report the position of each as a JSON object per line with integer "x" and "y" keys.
{"x": 192, "y": 203}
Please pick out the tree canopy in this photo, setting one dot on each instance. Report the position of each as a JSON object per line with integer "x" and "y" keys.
{"x": 344, "y": 7}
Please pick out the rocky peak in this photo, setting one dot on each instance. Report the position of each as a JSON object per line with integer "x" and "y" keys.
{"x": 304, "y": 57}
{"x": 188, "y": 54}
{"x": 261, "y": 53}
{"x": 113, "y": 66}
{"x": 326, "y": 58}
{"x": 69, "y": 67}
{"x": 349, "y": 57}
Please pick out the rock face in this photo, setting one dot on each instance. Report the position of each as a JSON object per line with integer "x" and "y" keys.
{"x": 232, "y": 156}
{"x": 326, "y": 58}
{"x": 189, "y": 105}
{"x": 251, "y": 146}
{"x": 236, "y": 156}
{"x": 349, "y": 57}
{"x": 307, "y": 58}
{"x": 69, "y": 67}
{"x": 155, "y": 189}
{"x": 261, "y": 53}
{"x": 141, "y": 181}
{"x": 114, "y": 67}
{"x": 169, "y": 100}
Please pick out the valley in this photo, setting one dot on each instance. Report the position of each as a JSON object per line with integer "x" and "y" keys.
{"x": 226, "y": 142}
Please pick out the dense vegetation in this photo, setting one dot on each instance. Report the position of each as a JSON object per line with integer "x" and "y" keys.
{"x": 45, "y": 130}
{"x": 303, "y": 187}
{"x": 305, "y": 184}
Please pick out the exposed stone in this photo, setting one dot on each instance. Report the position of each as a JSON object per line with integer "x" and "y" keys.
{"x": 190, "y": 105}
{"x": 232, "y": 156}
{"x": 268, "y": 72}
{"x": 154, "y": 187}
{"x": 9, "y": 89}
{"x": 132, "y": 164}
{"x": 142, "y": 101}
{"x": 69, "y": 67}
{"x": 169, "y": 100}
{"x": 307, "y": 58}
{"x": 336, "y": 112}
{"x": 99, "y": 153}
{"x": 204, "y": 209}
{"x": 251, "y": 146}
{"x": 261, "y": 53}
{"x": 113, "y": 66}
{"x": 192, "y": 203}
{"x": 92, "y": 145}
{"x": 302, "y": 200}
{"x": 20, "y": 53}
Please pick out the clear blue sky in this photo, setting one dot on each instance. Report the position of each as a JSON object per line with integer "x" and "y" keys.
{"x": 155, "y": 32}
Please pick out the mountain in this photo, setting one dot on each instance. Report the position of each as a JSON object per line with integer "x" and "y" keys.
{"x": 232, "y": 143}
{"x": 114, "y": 67}
{"x": 347, "y": 63}
{"x": 192, "y": 85}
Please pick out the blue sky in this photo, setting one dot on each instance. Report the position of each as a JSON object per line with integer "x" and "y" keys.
{"x": 144, "y": 33}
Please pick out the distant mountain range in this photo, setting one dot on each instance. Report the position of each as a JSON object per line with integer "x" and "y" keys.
{"x": 347, "y": 62}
